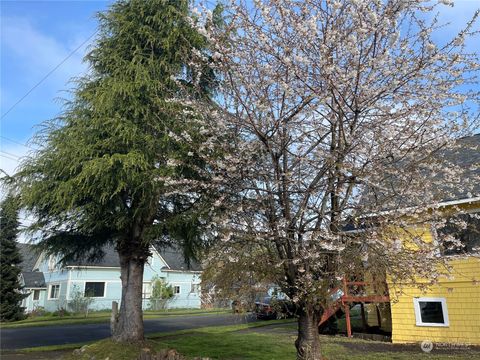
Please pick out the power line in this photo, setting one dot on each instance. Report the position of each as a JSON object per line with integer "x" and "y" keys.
{"x": 49, "y": 73}
{"x": 8, "y": 157}
{"x": 10, "y": 154}
{"x": 17, "y": 142}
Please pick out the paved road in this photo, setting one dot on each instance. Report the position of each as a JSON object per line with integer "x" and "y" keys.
{"x": 66, "y": 334}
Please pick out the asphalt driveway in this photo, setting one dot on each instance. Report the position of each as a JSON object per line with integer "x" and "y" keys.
{"x": 67, "y": 334}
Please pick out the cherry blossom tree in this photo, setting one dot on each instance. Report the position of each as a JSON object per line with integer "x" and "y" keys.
{"x": 343, "y": 111}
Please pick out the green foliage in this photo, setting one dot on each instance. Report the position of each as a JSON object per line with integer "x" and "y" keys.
{"x": 160, "y": 289}
{"x": 161, "y": 293}
{"x": 100, "y": 176}
{"x": 60, "y": 312}
{"x": 10, "y": 259}
{"x": 79, "y": 304}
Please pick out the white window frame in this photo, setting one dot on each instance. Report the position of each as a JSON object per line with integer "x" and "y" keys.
{"x": 50, "y": 292}
{"x": 418, "y": 314}
{"x": 147, "y": 294}
{"x": 179, "y": 289}
{"x": 95, "y": 297}
{"x": 35, "y": 291}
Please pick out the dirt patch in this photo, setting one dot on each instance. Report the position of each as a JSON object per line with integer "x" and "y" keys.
{"x": 374, "y": 346}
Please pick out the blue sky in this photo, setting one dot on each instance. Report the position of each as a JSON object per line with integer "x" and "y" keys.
{"x": 36, "y": 36}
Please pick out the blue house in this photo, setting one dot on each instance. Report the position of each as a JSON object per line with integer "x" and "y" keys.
{"x": 53, "y": 287}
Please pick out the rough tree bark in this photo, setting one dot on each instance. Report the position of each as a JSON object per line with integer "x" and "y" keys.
{"x": 308, "y": 340}
{"x": 129, "y": 325}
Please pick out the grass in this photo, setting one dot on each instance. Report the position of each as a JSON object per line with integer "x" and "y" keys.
{"x": 102, "y": 317}
{"x": 109, "y": 349}
{"x": 234, "y": 345}
{"x": 250, "y": 342}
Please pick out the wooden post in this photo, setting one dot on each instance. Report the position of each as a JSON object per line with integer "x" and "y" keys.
{"x": 347, "y": 319}
{"x": 114, "y": 317}
{"x": 346, "y": 306}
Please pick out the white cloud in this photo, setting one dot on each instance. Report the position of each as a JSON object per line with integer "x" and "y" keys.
{"x": 38, "y": 53}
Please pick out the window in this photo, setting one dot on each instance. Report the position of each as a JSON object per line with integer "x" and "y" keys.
{"x": 147, "y": 290}
{"x": 176, "y": 289}
{"x": 431, "y": 311}
{"x": 195, "y": 288}
{"x": 461, "y": 234}
{"x": 94, "y": 289}
{"x": 36, "y": 294}
{"x": 54, "y": 291}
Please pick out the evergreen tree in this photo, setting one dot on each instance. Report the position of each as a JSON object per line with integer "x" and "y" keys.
{"x": 125, "y": 162}
{"x": 10, "y": 258}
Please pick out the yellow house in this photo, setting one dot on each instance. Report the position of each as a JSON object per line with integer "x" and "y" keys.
{"x": 449, "y": 311}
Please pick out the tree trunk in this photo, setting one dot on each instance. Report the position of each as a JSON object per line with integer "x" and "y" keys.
{"x": 129, "y": 324}
{"x": 308, "y": 341}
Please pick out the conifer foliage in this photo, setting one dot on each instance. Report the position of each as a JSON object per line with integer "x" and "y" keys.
{"x": 10, "y": 259}
{"x": 125, "y": 164}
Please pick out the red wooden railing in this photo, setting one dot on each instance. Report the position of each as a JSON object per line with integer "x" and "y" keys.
{"x": 346, "y": 299}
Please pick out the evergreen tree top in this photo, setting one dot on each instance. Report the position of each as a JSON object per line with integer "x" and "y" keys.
{"x": 120, "y": 162}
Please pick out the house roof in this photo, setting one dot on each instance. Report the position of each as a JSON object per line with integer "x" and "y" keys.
{"x": 29, "y": 256}
{"x": 173, "y": 257}
{"x": 464, "y": 155}
{"x": 33, "y": 279}
{"x": 109, "y": 259}
{"x": 176, "y": 260}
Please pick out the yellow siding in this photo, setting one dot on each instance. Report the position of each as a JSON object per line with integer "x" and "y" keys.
{"x": 462, "y": 293}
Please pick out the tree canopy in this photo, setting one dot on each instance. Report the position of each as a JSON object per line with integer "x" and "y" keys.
{"x": 126, "y": 162}
{"x": 107, "y": 161}
{"x": 344, "y": 109}
{"x": 10, "y": 259}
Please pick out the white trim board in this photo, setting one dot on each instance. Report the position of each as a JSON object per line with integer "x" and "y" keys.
{"x": 418, "y": 315}
{"x": 49, "y": 291}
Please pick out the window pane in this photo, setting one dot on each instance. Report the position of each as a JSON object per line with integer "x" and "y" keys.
{"x": 431, "y": 312}
{"x": 94, "y": 289}
{"x": 36, "y": 294}
{"x": 176, "y": 289}
{"x": 54, "y": 289}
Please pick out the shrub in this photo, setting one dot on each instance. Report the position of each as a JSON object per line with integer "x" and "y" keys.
{"x": 79, "y": 304}
{"x": 161, "y": 293}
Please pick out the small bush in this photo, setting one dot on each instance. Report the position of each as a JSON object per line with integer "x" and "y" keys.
{"x": 79, "y": 304}
{"x": 161, "y": 293}
{"x": 38, "y": 311}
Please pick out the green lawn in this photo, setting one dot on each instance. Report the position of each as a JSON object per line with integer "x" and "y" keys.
{"x": 103, "y": 317}
{"x": 258, "y": 341}
{"x": 234, "y": 345}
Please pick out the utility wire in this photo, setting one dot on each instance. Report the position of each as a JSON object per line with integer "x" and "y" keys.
{"x": 8, "y": 157}
{"x": 10, "y": 154}
{"x": 17, "y": 142}
{"x": 49, "y": 73}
